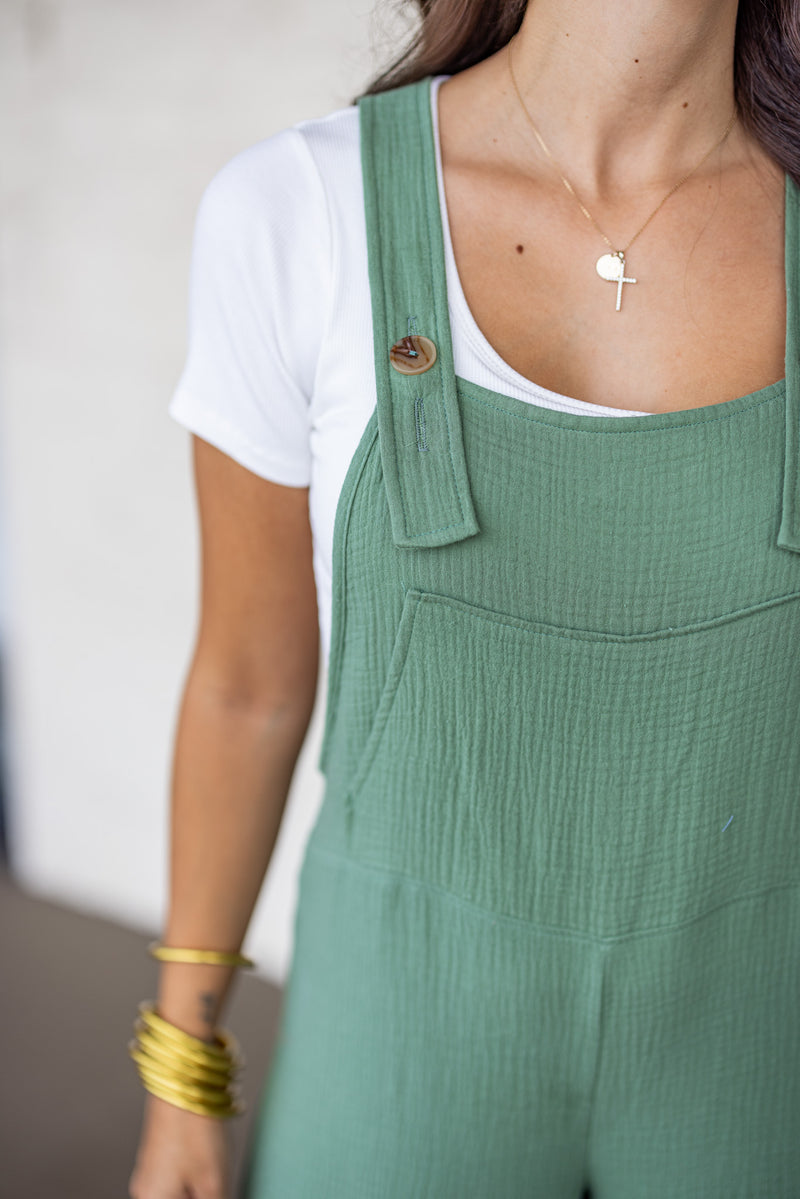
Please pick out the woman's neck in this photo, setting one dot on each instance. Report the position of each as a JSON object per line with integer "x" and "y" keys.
{"x": 627, "y": 96}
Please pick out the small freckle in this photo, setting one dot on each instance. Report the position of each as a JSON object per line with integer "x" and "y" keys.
{"x": 686, "y": 104}
{"x": 520, "y": 249}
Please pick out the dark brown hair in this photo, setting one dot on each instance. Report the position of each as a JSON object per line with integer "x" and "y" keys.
{"x": 455, "y": 34}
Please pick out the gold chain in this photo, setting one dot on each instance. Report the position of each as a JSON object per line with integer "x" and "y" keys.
{"x": 571, "y": 189}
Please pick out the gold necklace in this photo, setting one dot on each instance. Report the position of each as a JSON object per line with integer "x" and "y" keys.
{"x": 612, "y": 266}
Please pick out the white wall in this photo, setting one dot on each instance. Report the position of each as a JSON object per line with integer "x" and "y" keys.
{"x": 117, "y": 113}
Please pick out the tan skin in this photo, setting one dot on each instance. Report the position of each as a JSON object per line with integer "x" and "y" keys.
{"x": 706, "y": 320}
{"x": 245, "y": 710}
{"x": 706, "y": 323}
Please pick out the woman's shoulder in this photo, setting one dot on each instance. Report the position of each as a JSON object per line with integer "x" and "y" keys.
{"x": 274, "y": 225}
{"x": 303, "y": 170}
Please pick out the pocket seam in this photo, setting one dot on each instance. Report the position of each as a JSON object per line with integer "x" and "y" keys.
{"x": 567, "y": 633}
{"x": 396, "y": 668}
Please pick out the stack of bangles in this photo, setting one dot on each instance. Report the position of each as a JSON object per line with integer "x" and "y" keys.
{"x": 187, "y": 1071}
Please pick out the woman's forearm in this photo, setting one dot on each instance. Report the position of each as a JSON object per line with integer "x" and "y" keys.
{"x": 232, "y": 767}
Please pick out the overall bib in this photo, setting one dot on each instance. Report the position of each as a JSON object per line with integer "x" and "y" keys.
{"x": 548, "y": 926}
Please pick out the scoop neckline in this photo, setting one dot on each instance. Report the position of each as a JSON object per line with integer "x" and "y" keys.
{"x": 633, "y": 419}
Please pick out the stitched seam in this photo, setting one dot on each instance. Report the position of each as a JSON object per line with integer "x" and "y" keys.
{"x": 621, "y": 432}
{"x": 419, "y": 422}
{"x": 386, "y": 701}
{"x": 548, "y": 929}
{"x": 339, "y": 599}
{"x": 439, "y": 529}
{"x": 589, "y": 635}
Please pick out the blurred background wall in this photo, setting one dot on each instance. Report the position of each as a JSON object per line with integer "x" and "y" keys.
{"x": 115, "y": 115}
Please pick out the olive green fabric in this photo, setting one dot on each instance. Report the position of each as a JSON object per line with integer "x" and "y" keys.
{"x": 548, "y": 926}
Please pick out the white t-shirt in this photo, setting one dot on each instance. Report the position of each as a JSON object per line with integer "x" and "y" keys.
{"x": 280, "y": 372}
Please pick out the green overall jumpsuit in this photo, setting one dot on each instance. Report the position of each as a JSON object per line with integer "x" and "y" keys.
{"x": 548, "y": 926}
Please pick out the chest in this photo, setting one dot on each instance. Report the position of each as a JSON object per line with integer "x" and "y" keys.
{"x": 704, "y": 322}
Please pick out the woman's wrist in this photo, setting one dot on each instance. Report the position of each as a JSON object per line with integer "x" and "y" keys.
{"x": 192, "y": 996}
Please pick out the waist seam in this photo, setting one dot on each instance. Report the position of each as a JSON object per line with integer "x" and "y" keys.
{"x": 546, "y": 929}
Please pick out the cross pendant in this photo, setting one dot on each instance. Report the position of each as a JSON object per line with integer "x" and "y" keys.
{"x": 612, "y": 268}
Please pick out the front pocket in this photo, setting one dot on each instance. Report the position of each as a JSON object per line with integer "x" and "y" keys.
{"x": 586, "y": 780}
{"x": 394, "y": 673}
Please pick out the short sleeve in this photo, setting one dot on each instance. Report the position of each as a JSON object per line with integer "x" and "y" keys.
{"x": 259, "y": 290}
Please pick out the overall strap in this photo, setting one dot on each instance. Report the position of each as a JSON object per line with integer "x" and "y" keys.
{"x": 789, "y": 532}
{"x": 419, "y": 421}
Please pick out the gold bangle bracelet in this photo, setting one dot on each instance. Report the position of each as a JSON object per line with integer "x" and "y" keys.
{"x": 197, "y": 1094}
{"x": 210, "y": 957}
{"x": 150, "y": 1053}
{"x": 202, "y": 1109}
{"x": 223, "y": 1046}
{"x": 180, "y": 1086}
{"x": 193, "y": 1087}
{"x": 185, "y": 1070}
{"x": 187, "y": 1053}
{"x": 166, "y": 1054}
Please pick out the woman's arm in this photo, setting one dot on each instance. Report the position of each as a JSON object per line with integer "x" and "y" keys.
{"x": 245, "y": 710}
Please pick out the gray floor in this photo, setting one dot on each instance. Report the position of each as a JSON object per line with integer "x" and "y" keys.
{"x": 70, "y": 1097}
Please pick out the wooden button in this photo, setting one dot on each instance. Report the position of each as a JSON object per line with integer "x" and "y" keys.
{"x": 413, "y": 355}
